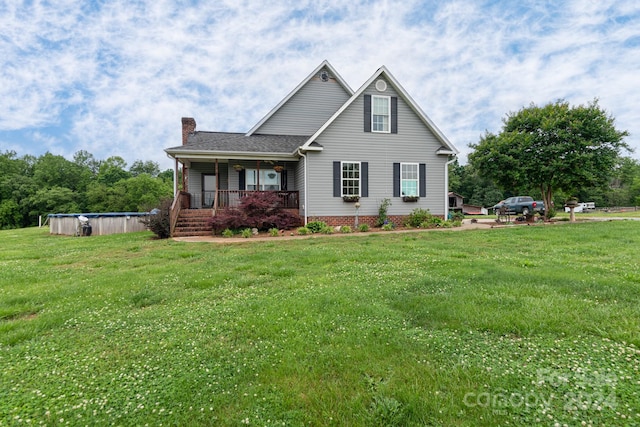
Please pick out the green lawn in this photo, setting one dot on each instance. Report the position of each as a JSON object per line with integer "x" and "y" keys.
{"x": 519, "y": 325}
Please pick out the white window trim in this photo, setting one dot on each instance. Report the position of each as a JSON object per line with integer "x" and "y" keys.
{"x": 262, "y": 184}
{"x": 417, "y": 180}
{"x": 342, "y": 178}
{"x": 388, "y": 98}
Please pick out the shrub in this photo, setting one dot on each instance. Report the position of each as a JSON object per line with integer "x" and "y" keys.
{"x": 382, "y": 212}
{"x": 274, "y": 232}
{"x": 260, "y": 209}
{"x": 316, "y": 226}
{"x": 345, "y": 229}
{"x": 458, "y": 216}
{"x": 303, "y": 231}
{"x": 417, "y": 217}
{"x": 246, "y": 233}
{"x": 388, "y": 226}
{"x": 363, "y": 228}
{"x": 227, "y": 233}
{"x": 326, "y": 230}
{"x": 159, "y": 223}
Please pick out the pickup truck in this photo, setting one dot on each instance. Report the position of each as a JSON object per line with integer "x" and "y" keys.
{"x": 520, "y": 205}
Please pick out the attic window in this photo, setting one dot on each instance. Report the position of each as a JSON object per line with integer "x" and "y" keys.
{"x": 380, "y": 112}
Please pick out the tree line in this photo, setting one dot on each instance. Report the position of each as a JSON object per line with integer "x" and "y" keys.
{"x": 554, "y": 153}
{"x": 32, "y": 186}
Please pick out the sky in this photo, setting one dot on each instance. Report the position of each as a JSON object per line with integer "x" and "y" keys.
{"x": 115, "y": 77}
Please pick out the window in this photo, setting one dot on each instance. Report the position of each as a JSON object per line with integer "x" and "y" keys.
{"x": 380, "y": 111}
{"x": 350, "y": 179}
{"x": 409, "y": 179}
{"x": 269, "y": 180}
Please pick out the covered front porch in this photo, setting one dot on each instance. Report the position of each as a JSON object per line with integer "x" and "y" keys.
{"x": 218, "y": 184}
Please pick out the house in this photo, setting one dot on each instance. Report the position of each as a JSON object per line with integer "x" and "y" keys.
{"x": 328, "y": 151}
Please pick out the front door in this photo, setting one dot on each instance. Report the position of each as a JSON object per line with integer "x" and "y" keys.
{"x": 208, "y": 190}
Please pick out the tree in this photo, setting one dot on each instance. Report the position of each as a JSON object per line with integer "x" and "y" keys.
{"x": 552, "y": 147}
{"x": 113, "y": 170}
{"x": 149, "y": 167}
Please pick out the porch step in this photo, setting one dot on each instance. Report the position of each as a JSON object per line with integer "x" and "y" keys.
{"x": 193, "y": 222}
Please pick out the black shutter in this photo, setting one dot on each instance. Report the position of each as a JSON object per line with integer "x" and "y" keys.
{"x": 422, "y": 179}
{"x": 283, "y": 180}
{"x": 241, "y": 180}
{"x": 394, "y": 114}
{"x": 396, "y": 180}
{"x": 364, "y": 179}
{"x": 367, "y": 113}
{"x": 337, "y": 180}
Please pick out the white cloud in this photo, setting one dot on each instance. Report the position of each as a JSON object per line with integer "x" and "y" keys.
{"x": 115, "y": 78}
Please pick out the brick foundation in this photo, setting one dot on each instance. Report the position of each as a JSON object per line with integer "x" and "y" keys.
{"x": 350, "y": 220}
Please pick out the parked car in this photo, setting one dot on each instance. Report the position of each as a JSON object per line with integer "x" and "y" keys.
{"x": 520, "y": 205}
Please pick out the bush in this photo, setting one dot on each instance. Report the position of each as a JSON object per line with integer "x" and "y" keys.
{"x": 160, "y": 223}
{"x": 246, "y": 233}
{"x": 316, "y": 226}
{"x": 458, "y": 216}
{"x": 345, "y": 229}
{"x": 388, "y": 226}
{"x": 227, "y": 233}
{"x": 326, "y": 230}
{"x": 274, "y": 232}
{"x": 417, "y": 217}
{"x": 363, "y": 228}
{"x": 382, "y": 212}
{"x": 303, "y": 231}
{"x": 261, "y": 210}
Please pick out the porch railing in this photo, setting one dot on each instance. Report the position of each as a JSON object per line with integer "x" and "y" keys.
{"x": 180, "y": 202}
{"x": 231, "y": 199}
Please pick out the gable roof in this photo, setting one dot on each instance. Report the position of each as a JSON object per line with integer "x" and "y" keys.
{"x": 447, "y": 146}
{"x": 324, "y": 64}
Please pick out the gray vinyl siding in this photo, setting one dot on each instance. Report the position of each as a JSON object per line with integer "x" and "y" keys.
{"x": 307, "y": 110}
{"x": 197, "y": 169}
{"x": 345, "y": 140}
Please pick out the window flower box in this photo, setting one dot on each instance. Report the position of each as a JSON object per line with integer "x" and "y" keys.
{"x": 410, "y": 198}
{"x": 350, "y": 199}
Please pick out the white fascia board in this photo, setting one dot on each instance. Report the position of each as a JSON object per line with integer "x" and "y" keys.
{"x": 324, "y": 63}
{"x": 240, "y": 155}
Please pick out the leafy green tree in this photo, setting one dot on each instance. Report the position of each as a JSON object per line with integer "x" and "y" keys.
{"x": 86, "y": 160}
{"x": 56, "y": 171}
{"x": 113, "y": 170}
{"x": 552, "y": 147}
{"x": 476, "y": 189}
{"x": 10, "y": 214}
{"x": 142, "y": 191}
{"x": 139, "y": 167}
{"x": 52, "y": 200}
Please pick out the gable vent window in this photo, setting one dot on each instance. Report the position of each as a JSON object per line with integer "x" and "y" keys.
{"x": 381, "y": 85}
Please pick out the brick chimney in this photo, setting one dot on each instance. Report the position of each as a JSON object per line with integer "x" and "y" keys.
{"x": 188, "y": 126}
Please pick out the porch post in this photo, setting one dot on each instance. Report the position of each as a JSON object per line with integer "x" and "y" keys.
{"x": 215, "y": 198}
{"x": 175, "y": 178}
